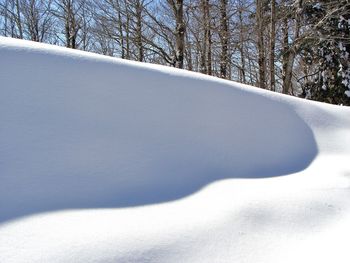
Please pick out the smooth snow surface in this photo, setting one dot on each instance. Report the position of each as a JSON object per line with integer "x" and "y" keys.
{"x": 105, "y": 160}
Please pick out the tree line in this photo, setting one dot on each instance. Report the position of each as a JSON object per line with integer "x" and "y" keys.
{"x": 296, "y": 47}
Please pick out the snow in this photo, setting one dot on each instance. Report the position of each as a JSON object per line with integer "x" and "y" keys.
{"x": 106, "y": 160}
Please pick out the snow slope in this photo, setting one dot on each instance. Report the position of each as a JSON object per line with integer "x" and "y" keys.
{"x": 105, "y": 160}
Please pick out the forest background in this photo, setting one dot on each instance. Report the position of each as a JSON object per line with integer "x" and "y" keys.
{"x": 296, "y": 47}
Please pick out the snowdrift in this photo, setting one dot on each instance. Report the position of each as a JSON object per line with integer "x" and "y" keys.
{"x": 106, "y": 160}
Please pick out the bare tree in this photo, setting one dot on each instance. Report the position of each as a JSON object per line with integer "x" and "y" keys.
{"x": 290, "y": 49}
{"x": 272, "y": 45}
{"x": 224, "y": 36}
{"x": 37, "y": 19}
{"x": 206, "y": 52}
{"x": 260, "y": 42}
{"x": 18, "y": 19}
{"x": 138, "y": 14}
{"x": 178, "y": 7}
{"x": 68, "y": 12}
{"x": 11, "y": 13}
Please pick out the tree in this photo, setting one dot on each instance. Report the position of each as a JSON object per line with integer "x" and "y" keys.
{"x": 11, "y": 13}
{"x": 260, "y": 42}
{"x": 224, "y": 38}
{"x": 69, "y": 14}
{"x": 272, "y": 45}
{"x": 327, "y": 46}
{"x": 139, "y": 6}
{"x": 297, "y": 47}
{"x": 177, "y": 7}
{"x": 291, "y": 21}
{"x": 37, "y": 19}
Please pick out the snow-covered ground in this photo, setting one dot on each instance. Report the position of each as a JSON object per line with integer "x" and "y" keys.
{"x": 105, "y": 160}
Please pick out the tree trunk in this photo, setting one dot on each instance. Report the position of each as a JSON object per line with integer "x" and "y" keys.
{"x": 139, "y": 43}
{"x": 261, "y": 47}
{"x": 19, "y": 20}
{"x": 272, "y": 46}
{"x": 205, "y": 24}
{"x": 189, "y": 54}
{"x": 71, "y": 27}
{"x": 177, "y": 6}
{"x": 206, "y": 58}
{"x": 120, "y": 28}
{"x": 224, "y": 35}
{"x": 127, "y": 30}
{"x": 241, "y": 46}
{"x": 285, "y": 58}
{"x": 289, "y": 52}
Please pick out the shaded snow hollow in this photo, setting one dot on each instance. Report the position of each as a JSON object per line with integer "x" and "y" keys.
{"x": 106, "y": 160}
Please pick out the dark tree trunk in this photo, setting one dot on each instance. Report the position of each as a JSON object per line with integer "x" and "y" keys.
{"x": 224, "y": 36}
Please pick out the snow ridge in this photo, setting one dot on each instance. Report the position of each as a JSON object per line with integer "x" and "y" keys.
{"x": 105, "y": 160}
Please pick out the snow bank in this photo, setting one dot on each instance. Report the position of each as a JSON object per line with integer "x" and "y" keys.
{"x": 105, "y": 160}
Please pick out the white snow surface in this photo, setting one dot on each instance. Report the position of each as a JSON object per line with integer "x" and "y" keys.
{"x": 106, "y": 160}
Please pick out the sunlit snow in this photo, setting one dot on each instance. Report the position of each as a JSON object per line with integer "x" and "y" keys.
{"x": 105, "y": 160}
